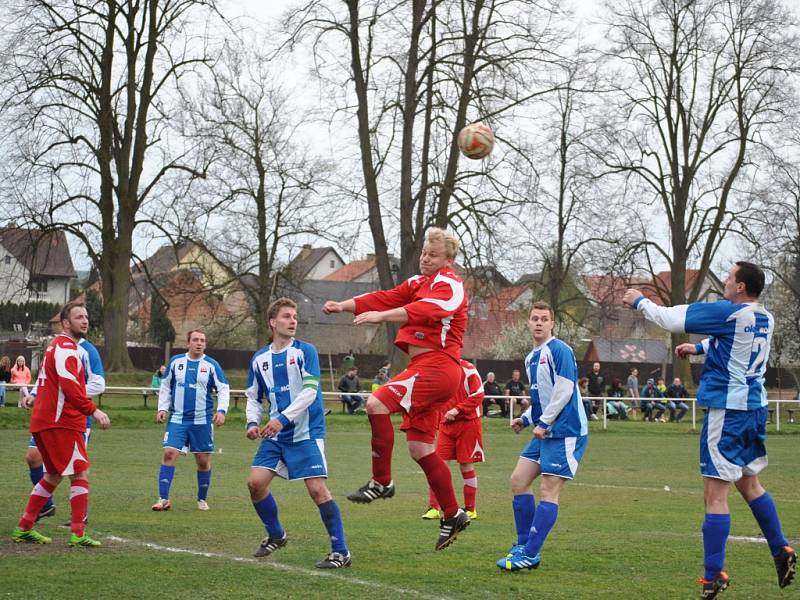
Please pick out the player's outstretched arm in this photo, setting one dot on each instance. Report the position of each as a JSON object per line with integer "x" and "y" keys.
{"x": 331, "y": 306}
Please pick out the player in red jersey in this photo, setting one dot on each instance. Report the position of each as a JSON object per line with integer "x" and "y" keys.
{"x": 431, "y": 309}
{"x": 461, "y": 438}
{"x": 58, "y": 425}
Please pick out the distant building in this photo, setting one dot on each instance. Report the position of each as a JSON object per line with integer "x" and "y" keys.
{"x": 34, "y": 266}
{"x": 313, "y": 263}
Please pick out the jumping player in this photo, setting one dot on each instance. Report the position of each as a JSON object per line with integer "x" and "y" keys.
{"x": 461, "y": 439}
{"x": 732, "y": 442}
{"x": 285, "y": 376}
{"x": 431, "y": 309}
{"x": 560, "y": 435}
{"x": 58, "y": 425}
{"x": 186, "y": 395}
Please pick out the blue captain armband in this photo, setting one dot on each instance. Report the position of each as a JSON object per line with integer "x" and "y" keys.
{"x": 636, "y": 302}
{"x": 699, "y": 347}
{"x": 284, "y": 421}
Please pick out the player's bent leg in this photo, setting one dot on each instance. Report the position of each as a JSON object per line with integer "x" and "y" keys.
{"x": 716, "y": 528}
{"x": 166, "y": 472}
{"x": 33, "y": 458}
{"x": 382, "y": 443}
{"x": 339, "y": 555}
{"x": 470, "y": 478}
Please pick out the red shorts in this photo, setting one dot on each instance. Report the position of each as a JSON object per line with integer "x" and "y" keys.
{"x": 462, "y": 441}
{"x": 63, "y": 451}
{"x": 421, "y": 392}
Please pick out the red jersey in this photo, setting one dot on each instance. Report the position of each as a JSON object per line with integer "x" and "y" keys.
{"x": 469, "y": 399}
{"x": 436, "y": 306}
{"x": 61, "y": 400}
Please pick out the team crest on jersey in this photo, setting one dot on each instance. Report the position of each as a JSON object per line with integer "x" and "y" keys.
{"x": 180, "y": 367}
{"x": 203, "y": 370}
{"x": 542, "y": 360}
{"x": 265, "y": 366}
{"x": 291, "y": 360}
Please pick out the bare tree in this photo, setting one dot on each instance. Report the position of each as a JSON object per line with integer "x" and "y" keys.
{"x": 265, "y": 192}
{"x": 700, "y": 83}
{"x": 87, "y": 103}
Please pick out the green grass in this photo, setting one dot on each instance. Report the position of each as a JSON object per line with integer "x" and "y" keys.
{"x": 619, "y": 533}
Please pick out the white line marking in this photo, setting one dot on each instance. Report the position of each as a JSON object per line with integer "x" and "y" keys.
{"x": 747, "y": 538}
{"x": 277, "y": 566}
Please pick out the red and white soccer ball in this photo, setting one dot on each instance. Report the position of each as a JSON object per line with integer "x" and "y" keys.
{"x": 476, "y": 141}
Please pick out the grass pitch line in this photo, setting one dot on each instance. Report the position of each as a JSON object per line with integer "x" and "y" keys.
{"x": 277, "y": 566}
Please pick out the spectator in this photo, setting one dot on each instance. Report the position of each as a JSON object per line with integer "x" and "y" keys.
{"x": 615, "y": 406}
{"x": 350, "y": 386}
{"x": 492, "y": 388}
{"x": 158, "y": 376}
{"x": 662, "y": 387}
{"x": 583, "y": 388}
{"x": 514, "y": 387}
{"x": 383, "y": 375}
{"x": 633, "y": 383}
{"x": 5, "y": 377}
{"x": 596, "y": 386}
{"x": 21, "y": 375}
{"x": 651, "y": 391}
{"x": 675, "y": 392}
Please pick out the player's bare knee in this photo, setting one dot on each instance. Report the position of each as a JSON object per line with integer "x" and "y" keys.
{"x": 750, "y": 488}
{"x": 258, "y": 488}
{"x": 34, "y": 458}
{"x": 375, "y": 406}
{"x": 170, "y": 457}
{"x": 318, "y": 491}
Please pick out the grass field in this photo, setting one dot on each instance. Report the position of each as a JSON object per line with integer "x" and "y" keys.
{"x": 619, "y": 533}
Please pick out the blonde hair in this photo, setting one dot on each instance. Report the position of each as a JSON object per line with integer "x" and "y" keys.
{"x": 20, "y": 357}
{"x": 451, "y": 243}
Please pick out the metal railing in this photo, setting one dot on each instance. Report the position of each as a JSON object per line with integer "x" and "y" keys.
{"x": 146, "y": 392}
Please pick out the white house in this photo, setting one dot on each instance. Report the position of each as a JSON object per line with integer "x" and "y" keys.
{"x": 34, "y": 265}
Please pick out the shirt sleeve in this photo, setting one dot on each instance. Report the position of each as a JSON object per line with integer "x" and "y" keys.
{"x": 95, "y": 373}
{"x": 473, "y": 395}
{"x": 565, "y": 373}
{"x": 311, "y": 374}
{"x": 223, "y": 389}
{"x": 255, "y": 393}
{"x": 709, "y": 318}
{"x": 165, "y": 391}
{"x": 385, "y": 299}
{"x": 445, "y": 298}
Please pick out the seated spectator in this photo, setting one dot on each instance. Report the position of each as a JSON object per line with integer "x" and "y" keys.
{"x": 515, "y": 387}
{"x": 382, "y": 377}
{"x": 350, "y": 386}
{"x": 492, "y": 388}
{"x": 649, "y": 396}
{"x": 21, "y": 375}
{"x": 583, "y": 388}
{"x": 5, "y": 377}
{"x": 615, "y": 406}
{"x": 596, "y": 386}
{"x": 158, "y": 376}
{"x": 675, "y": 392}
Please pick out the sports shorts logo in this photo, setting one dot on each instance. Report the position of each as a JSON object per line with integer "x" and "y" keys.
{"x": 419, "y": 335}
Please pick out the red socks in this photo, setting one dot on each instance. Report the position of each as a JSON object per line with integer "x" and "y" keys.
{"x": 79, "y": 503}
{"x": 440, "y": 482}
{"x": 470, "y": 489}
{"x": 382, "y": 445}
{"x": 39, "y": 496}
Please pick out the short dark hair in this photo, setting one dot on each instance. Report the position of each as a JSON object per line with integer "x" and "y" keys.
{"x": 65, "y": 312}
{"x": 542, "y": 305}
{"x": 751, "y": 276}
{"x": 277, "y": 305}
{"x": 191, "y": 331}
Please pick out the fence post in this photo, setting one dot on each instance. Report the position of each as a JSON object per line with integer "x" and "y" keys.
{"x": 694, "y": 414}
{"x": 778, "y": 414}
{"x": 605, "y": 414}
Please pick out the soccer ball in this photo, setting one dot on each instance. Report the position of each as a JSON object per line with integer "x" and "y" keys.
{"x": 476, "y": 141}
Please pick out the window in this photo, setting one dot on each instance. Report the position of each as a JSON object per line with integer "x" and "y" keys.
{"x": 333, "y": 264}
{"x": 38, "y": 285}
{"x": 8, "y": 259}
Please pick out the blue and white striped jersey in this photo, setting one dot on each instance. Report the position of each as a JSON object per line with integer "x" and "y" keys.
{"x": 187, "y": 386}
{"x": 737, "y": 349}
{"x": 289, "y": 381}
{"x": 555, "y": 398}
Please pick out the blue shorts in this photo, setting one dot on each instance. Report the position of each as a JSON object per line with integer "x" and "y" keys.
{"x": 200, "y": 438}
{"x": 732, "y": 443}
{"x": 557, "y": 456}
{"x": 295, "y": 460}
{"x": 86, "y": 435}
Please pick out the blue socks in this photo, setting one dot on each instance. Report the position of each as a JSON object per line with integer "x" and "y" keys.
{"x": 716, "y": 529}
{"x": 267, "y": 510}
{"x": 203, "y": 483}
{"x": 766, "y": 514}
{"x": 524, "y": 509}
{"x": 543, "y": 521}
{"x": 165, "y": 475}
{"x": 329, "y": 511}
{"x": 36, "y": 476}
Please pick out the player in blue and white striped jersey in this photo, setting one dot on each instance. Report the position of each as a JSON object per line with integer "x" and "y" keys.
{"x": 560, "y": 436}
{"x": 732, "y": 443}
{"x": 284, "y": 376}
{"x": 95, "y": 379}
{"x": 185, "y": 395}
